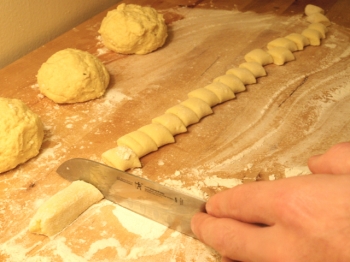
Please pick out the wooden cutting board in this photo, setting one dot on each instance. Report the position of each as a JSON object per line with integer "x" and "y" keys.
{"x": 267, "y": 132}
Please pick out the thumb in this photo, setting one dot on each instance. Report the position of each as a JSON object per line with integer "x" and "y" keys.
{"x": 335, "y": 161}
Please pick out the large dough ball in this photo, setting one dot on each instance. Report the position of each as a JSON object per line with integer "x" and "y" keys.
{"x": 21, "y": 133}
{"x": 71, "y": 76}
{"x": 133, "y": 29}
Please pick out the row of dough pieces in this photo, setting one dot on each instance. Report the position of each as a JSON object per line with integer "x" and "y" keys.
{"x": 62, "y": 209}
{"x": 162, "y": 130}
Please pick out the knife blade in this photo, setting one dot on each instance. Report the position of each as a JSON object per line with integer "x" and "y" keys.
{"x": 164, "y": 205}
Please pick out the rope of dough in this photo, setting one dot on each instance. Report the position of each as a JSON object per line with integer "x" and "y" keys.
{"x": 223, "y": 88}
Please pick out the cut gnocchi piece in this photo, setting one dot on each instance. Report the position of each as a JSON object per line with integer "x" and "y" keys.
{"x": 243, "y": 74}
{"x": 198, "y": 106}
{"x": 159, "y": 134}
{"x": 223, "y": 92}
{"x": 283, "y": 42}
{"x": 314, "y": 36}
{"x": 319, "y": 27}
{"x": 281, "y": 55}
{"x": 232, "y": 82}
{"x": 171, "y": 122}
{"x": 206, "y": 95}
{"x": 187, "y": 116}
{"x": 259, "y": 56}
{"x": 312, "y": 9}
{"x": 63, "y": 208}
{"x": 318, "y": 18}
{"x": 257, "y": 69}
{"x": 138, "y": 142}
{"x": 121, "y": 157}
{"x": 300, "y": 40}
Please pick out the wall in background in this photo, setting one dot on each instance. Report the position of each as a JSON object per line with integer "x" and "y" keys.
{"x": 26, "y": 25}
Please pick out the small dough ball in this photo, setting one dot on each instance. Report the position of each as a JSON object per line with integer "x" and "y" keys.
{"x": 198, "y": 106}
{"x": 138, "y": 142}
{"x": 312, "y": 9}
{"x": 121, "y": 157}
{"x": 21, "y": 133}
{"x": 320, "y": 28}
{"x": 245, "y": 75}
{"x": 223, "y": 92}
{"x": 63, "y": 208}
{"x": 313, "y": 35}
{"x": 318, "y": 18}
{"x": 257, "y": 69}
{"x": 282, "y": 42}
{"x": 159, "y": 133}
{"x": 187, "y": 116}
{"x": 300, "y": 40}
{"x": 172, "y": 122}
{"x": 206, "y": 95}
{"x": 71, "y": 76}
{"x": 133, "y": 29}
{"x": 259, "y": 56}
{"x": 281, "y": 55}
{"x": 232, "y": 82}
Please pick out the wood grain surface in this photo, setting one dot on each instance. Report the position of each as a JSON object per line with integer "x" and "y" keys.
{"x": 267, "y": 132}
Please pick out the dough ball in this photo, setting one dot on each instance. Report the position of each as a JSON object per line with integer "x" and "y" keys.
{"x": 71, "y": 76}
{"x": 133, "y": 29}
{"x": 121, "y": 157}
{"x": 21, "y": 133}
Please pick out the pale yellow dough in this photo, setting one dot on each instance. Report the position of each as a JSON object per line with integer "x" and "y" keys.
{"x": 257, "y": 69}
{"x": 232, "y": 82}
{"x": 260, "y": 56}
{"x": 206, "y": 95}
{"x": 186, "y": 115}
{"x": 318, "y": 18}
{"x": 159, "y": 134}
{"x": 281, "y": 55}
{"x": 71, "y": 76}
{"x": 283, "y": 42}
{"x": 320, "y": 28}
{"x": 138, "y": 142}
{"x": 223, "y": 92}
{"x": 21, "y": 133}
{"x": 121, "y": 157}
{"x": 198, "y": 106}
{"x": 300, "y": 40}
{"x": 313, "y": 35}
{"x": 133, "y": 29}
{"x": 172, "y": 122}
{"x": 312, "y": 9}
{"x": 246, "y": 76}
{"x": 63, "y": 208}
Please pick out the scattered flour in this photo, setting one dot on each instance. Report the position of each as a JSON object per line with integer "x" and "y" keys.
{"x": 215, "y": 181}
{"x": 296, "y": 171}
{"x": 139, "y": 225}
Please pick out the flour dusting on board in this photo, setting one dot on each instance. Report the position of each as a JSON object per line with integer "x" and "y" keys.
{"x": 139, "y": 225}
{"x": 293, "y": 105}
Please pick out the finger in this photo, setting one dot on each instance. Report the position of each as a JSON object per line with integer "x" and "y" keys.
{"x": 335, "y": 161}
{"x": 232, "y": 239}
{"x": 250, "y": 203}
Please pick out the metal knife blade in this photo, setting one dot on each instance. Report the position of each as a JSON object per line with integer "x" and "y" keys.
{"x": 164, "y": 205}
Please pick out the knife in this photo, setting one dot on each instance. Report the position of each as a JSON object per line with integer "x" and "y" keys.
{"x": 164, "y": 205}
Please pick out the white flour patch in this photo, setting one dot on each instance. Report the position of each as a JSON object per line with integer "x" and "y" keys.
{"x": 215, "y": 181}
{"x": 297, "y": 171}
{"x": 114, "y": 95}
{"x": 139, "y": 225}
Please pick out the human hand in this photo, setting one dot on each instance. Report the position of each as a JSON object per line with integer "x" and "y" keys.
{"x": 295, "y": 219}
{"x": 335, "y": 161}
